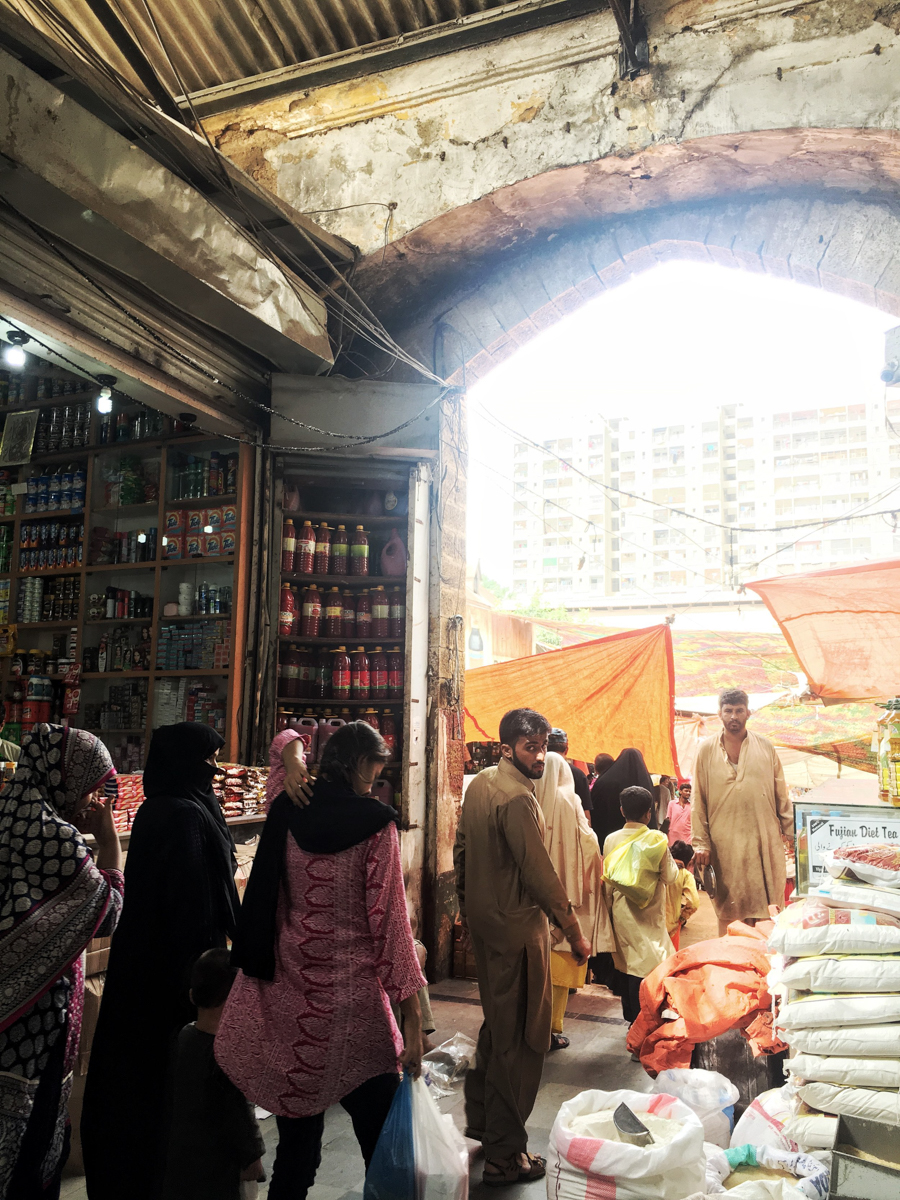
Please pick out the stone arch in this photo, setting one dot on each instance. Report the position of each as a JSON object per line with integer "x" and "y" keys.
{"x": 818, "y": 206}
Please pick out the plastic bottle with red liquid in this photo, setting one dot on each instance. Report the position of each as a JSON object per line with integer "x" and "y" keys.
{"x": 360, "y": 676}
{"x": 370, "y": 716}
{"x": 305, "y": 672}
{"x": 381, "y": 613}
{"x": 305, "y": 552}
{"x": 389, "y": 731}
{"x": 398, "y": 613}
{"x": 378, "y": 672}
{"x": 290, "y": 680}
{"x": 348, "y": 615}
{"x": 320, "y": 688}
{"x": 311, "y": 612}
{"x": 322, "y": 559}
{"x": 340, "y": 674}
{"x": 286, "y": 611}
{"x": 340, "y": 552}
{"x": 395, "y": 674}
{"x": 334, "y": 613}
{"x": 288, "y": 545}
{"x": 359, "y": 552}
{"x": 364, "y": 614}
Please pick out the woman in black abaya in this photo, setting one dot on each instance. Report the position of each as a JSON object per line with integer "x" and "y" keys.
{"x": 628, "y": 770}
{"x": 180, "y": 899}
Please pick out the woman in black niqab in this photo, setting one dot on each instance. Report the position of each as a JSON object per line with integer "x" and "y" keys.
{"x": 181, "y": 900}
{"x": 629, "y": 770}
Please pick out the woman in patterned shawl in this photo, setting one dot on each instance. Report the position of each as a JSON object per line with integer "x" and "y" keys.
{"x": 53, "y": 900}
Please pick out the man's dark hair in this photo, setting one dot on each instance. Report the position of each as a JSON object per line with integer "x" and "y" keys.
{"x": 734, "y": 696}
{"x": 344, "y": 749}
{"x": 520, "y": 723}
{"x": 602, "y": 762}
{"x": 685, "y": 783}
{"x": 558, "y": 741}
{"x": 682, "y": 851}
{"x": 635, "y": 803}
{"x": 211, "y": 978}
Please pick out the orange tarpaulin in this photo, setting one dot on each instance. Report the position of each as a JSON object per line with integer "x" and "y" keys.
{"x": 843, "y": 626}
{"x": 608, "y": 694}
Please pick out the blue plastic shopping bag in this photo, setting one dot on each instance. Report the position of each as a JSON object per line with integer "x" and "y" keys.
{"x": 392, "y": 1171}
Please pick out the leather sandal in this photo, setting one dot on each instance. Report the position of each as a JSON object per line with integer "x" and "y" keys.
{"x": 558, "y": 1041}
{"x": 504, "y": 1174}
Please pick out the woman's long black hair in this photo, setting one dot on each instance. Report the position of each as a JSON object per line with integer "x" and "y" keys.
{"x": 354, "y": 741}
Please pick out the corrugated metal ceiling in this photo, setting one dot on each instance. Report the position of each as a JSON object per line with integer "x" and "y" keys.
{"x": 206, "y": 43}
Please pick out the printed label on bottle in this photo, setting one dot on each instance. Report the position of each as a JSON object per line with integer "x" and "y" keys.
{"x": 285, "y": 617}
{"x": 361, "y": 681}
{"x": 340, "y": 680}
{"x": 381, "y": 612}
{"x": 359, "y": 551}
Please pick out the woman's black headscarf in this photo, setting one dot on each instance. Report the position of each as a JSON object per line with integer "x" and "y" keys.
{"x": 628, "y": 770}
{"x": 177, "y": 767}
{"x": 335, "y": 819}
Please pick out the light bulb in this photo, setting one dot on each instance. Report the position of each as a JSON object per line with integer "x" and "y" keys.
{"x": 14, "y": 356}
{"x": 207, "y": 528}
{"x": 104, "y": 400}
{"x": 165, "y": 541}
{"x": 142, "y": 537}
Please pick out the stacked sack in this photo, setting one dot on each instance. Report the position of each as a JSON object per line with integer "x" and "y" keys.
{"x": 838, "y": 975}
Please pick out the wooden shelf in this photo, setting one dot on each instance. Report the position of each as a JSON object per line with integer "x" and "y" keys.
{"x": 126, "y": 509}
{"x": 343, "y": 641}
{"x": 50, "y": 514}
{"x": 223, "y": 560}
{"x": 202, "y": 501}
{"x": 116, "y": 674}
{"x": 339, "y": 581}
{"x": 199, "y": 617}
{"x": 119, "y": 621}
{"x": 330, "y": 702}
{"x": 38, "y": 625}
{"x": 140, "y": 566}
{"x": 349, "y": 520}
{"x": 200, "y": 671}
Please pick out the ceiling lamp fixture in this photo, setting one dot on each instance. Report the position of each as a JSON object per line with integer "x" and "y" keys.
{"x": 13, "y": 354}
{"x": 104, "y": 396}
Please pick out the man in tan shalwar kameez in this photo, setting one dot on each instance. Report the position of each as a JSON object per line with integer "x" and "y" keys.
{"x": 507, "y": 890}
{"x": 741, "y": 818}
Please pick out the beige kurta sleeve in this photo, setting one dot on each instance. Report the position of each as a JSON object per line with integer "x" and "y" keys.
{"x": 700, "y": 803}
{"x": 459, "y": 863}
{"x": 783, "y": 805}
{"x": 519, "y": 822}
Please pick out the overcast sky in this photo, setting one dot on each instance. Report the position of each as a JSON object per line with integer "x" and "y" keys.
{"x": 672, "y": 343}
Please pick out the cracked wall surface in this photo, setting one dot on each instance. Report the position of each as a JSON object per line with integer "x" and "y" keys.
{"x": 395, "y": 151}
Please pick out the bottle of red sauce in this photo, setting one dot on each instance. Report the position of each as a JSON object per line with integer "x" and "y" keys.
{"x": 311, "y": 612}
{"x": 359, "y": 552}
{"x": 381, "y": 613}
{"x": 348, "y": 616}
{"x": 370, "y": 716}
{"x": 360, "y": 677}
{"x": 305, "y": 672}
{"x": 290, "y": 684}
{"x": 305, "y": 551}
{"x": 395, "y": 674}
{"x": 340, "y": 673}
{"x": 323, "y": 550}
{"x": 389, "y": 731}
{"x": 340, "y": 552}
{"x": 398, "y": 613}
{"x": 378, "y": 670}
{"x": 286, "y": 611}
{"x": 364, "y": 614}
{"x": 288, "y": 545}
{"x": 334, "y": 614}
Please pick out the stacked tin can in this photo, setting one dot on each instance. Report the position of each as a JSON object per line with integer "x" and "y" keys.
{"x": 31, "y": 597}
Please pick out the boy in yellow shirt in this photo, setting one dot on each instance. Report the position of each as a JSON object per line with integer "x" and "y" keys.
{"x": 682, "y": 899}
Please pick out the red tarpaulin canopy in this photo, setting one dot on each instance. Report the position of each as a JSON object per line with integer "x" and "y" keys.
{"x": 843, "y": 626}
{"x": 607, "y": 694}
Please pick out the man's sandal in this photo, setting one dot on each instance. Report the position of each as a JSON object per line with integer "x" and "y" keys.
{"x": 558, "y": 1041}
{"x": 503, "y": 1174}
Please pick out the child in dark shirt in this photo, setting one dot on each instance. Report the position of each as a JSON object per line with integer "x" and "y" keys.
{"x": 214, "y": 1143}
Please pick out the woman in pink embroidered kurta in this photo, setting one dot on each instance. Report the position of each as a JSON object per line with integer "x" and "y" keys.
{"x": 308, "y": 1022}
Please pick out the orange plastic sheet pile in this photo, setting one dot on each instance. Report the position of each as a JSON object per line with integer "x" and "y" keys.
{"x": 608, "y": 694}
{"x": 713, "y": 986}
{"x": 843, "y": 626}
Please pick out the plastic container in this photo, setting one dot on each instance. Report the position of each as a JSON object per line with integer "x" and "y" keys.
{"x": 328, "y": 726}
{"x": 305, "y": 672}
{"x": 311, "y": 612}
{"x": 383, "y": 790}
{"x": 359, "y": 552}
{"x": 364, "y": 614}
{"x": 288, "y": 545}
{"x": 320, "y": 686}
{"x": 378, "y": 674}
{"x": 340, "y": 552}
{"x": 290, "y": 678}
{"x": 334, "y": 612}
{"x": 322, "y": 559}
{"x": 305, "y": 553}
{"x": 286, "y": 611}
{"x": 389, "y": 731}
{"x": 394, "y": 557}
{"x": 309, "y": 728}
{"x": 360, "y": 685}
{"x": 398, "y": 613}
{"x": 381, "y": 613}
{"x": 396, "y": 678}
{"x": 348, "y": 615}
{"x": 370, "y": 716}
{"x": 340, "y": 673}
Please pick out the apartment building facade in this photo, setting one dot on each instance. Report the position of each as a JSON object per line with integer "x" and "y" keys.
{"x": 689, "y": 511}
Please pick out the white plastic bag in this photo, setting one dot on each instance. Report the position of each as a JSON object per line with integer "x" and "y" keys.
{"x": 836, "y": 1012}
{"x": 577, "y": 1164}
{"x": 847, "y": 893}
{"x": 851, "y": 1041}
{"x": 847, "y": 1072}
{"x": 812, "y": 927}
{"x": 856, "y": 973}
{"x": 711, "y": 1096}
{"x": 873, "y": 1105}
{"x": 877, "y": 863}
{"x": 441, "y": 1157}
{"x": 811, "y": 1131}
{"x": 763, "y": 1120}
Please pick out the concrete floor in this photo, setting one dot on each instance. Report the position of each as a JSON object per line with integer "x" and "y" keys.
{"x": 596, "y": 1058}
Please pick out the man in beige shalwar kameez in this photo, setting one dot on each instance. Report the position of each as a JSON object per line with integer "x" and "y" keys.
{"x": 507, "y": 890}
{"x": 741, "y": 818}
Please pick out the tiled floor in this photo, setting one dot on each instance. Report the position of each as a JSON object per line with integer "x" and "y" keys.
{"x": 596, "y": 1058}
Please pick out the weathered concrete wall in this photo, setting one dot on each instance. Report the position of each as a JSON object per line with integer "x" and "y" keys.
{"x": 434, "y": 137}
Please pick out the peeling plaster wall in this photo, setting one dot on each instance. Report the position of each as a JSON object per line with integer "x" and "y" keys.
{"x": 435, "y": 136}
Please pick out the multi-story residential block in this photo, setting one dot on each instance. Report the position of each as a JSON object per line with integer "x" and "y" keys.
{"x": 613, "y": 511}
